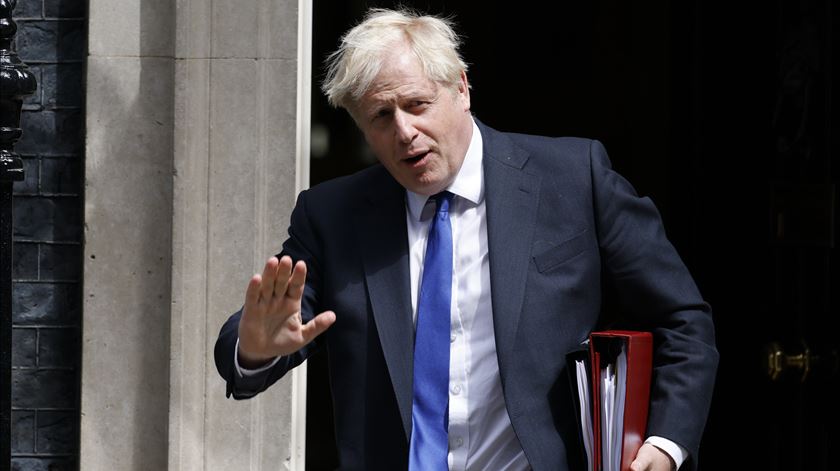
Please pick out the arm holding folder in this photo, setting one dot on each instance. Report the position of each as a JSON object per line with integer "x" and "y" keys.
{"x": 655, "y": 292}
{"x": 612, "y": 379}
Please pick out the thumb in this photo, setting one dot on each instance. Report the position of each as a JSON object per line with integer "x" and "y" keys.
{"x": 317, "y": 325}
{"x": 650, "y": 458}
{"x": 643, "y": 461}
{"x": 640, "y": 464}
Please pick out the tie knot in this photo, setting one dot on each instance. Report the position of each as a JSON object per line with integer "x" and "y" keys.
{"x": 442, "y": 202}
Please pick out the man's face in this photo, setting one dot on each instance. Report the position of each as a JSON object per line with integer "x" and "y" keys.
{"x": 418, "y": 129}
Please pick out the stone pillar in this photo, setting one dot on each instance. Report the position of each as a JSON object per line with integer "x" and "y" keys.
{"x": 196, "y": 149}
{"x": 237, "y": 172}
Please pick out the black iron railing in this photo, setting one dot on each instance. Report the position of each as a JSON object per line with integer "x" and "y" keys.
{"x": 16, "y": 81}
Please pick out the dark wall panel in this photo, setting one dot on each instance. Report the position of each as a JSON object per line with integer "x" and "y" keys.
{"x": 48, "y": 238}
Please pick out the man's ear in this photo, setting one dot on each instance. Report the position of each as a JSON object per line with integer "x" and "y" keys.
{"x": 464, "y": 91}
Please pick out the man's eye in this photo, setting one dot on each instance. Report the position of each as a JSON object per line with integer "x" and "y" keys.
{"x": 382, "y": 114}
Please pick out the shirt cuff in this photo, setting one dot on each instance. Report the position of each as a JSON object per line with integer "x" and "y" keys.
{"x": 242, "y": 372}
{"x": 676, "y": 452}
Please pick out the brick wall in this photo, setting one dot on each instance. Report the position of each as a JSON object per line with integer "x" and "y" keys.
{"x": 48, "y": 235}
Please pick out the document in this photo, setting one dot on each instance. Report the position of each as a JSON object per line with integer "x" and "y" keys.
{"x": 584, "y": 409}
{"x": 612, "y": 379}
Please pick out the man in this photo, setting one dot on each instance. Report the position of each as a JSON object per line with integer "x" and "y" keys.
{"x": 501, "y": 240}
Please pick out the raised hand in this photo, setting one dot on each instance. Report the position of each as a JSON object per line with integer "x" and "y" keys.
{"x": 271, "y": 324}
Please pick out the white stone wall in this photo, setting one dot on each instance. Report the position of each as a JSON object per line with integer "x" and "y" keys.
{"x": 196, "y": 148}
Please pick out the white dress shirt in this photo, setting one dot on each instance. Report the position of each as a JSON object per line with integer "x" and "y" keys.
{"x": 481, "y": 436}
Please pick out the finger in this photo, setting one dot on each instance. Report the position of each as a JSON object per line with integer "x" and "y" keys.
{"x": 252, "y": 294}
{"x": 268, "y": 277}
{"x": 642, "y": 461}
{"x": 652, "y": 458}
{"x": 317, "y": 325}
{"x": 297, "y": 281}
{"x": 284, "y": 271}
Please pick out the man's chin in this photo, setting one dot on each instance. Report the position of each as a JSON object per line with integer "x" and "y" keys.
{"x": 425, "y": 183}
{"x": 424, "y": 190}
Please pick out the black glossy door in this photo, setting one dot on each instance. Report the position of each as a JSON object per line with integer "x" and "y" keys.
{"x": 764, "y": 133}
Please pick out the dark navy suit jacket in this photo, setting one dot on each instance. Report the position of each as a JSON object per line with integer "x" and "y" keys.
{"x": 561, "y": 225}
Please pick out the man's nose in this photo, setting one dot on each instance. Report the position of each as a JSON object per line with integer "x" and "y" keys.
{"x": 404, "y": 126}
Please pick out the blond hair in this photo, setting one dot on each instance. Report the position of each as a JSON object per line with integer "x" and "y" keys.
{"x": 353, "y": 66}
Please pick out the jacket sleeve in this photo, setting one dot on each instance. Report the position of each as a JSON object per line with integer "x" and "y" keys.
{"x": 657, "y": 293}
{"x": 301, "y": 245}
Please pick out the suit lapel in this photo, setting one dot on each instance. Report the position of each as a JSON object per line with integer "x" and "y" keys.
{"x": 383, "y": 239}
{"x": 511, "y": 200}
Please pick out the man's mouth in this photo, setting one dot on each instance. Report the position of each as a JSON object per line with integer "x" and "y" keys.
{"x": 416, "y": 159}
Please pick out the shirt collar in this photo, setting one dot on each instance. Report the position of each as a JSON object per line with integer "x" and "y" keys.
{"x": 468, "y": 184}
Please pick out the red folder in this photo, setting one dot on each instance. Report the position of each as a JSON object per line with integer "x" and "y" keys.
{"x": 630, "y": 377}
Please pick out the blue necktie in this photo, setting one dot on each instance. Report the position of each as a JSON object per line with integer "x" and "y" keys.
{"x": 429, "y": 435}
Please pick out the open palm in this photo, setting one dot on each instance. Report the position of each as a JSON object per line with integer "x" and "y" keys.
{"x": 271, "y": 323}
